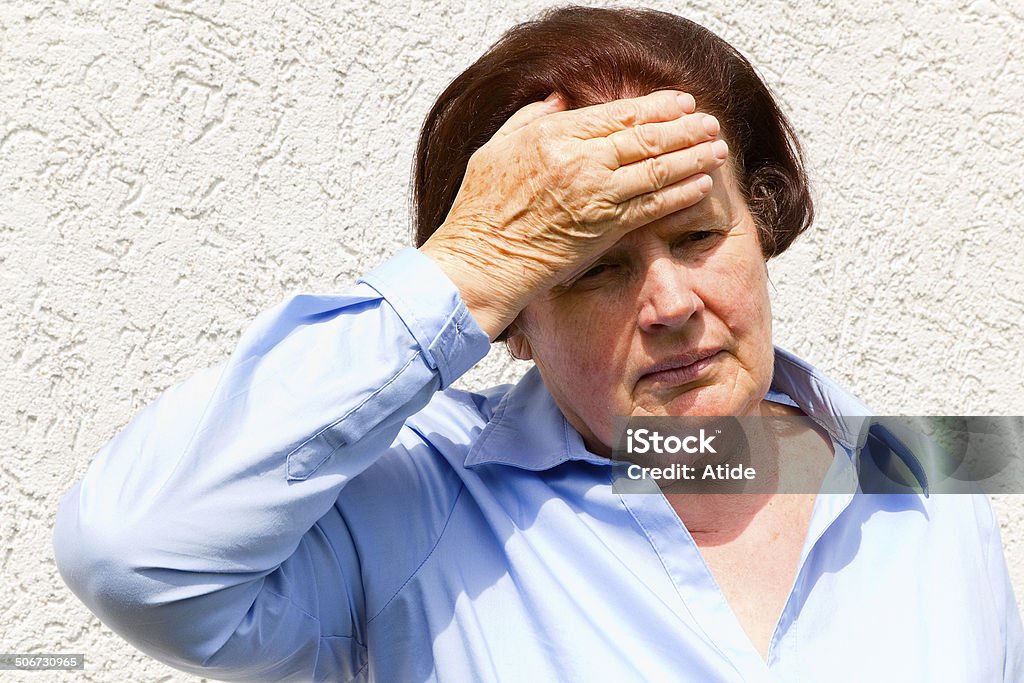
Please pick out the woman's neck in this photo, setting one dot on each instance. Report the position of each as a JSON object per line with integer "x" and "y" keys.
{"x": 790, "y": 454}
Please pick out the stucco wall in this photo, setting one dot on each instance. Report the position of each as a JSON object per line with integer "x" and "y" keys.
{"x": 169, "y": 169}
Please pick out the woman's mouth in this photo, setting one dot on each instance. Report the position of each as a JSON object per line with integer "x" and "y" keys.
{"x": 681, "y": 369}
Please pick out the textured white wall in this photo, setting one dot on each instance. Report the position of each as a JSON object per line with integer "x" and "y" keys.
{"x": 169, "y": 169}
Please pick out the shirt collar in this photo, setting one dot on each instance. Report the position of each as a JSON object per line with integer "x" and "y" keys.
{"x": 527, "y": 429}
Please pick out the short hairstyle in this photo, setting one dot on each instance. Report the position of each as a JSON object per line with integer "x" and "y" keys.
{"x": 592, "y": 55}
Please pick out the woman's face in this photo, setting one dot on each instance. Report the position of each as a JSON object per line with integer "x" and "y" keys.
{"x": 673, "y": 320}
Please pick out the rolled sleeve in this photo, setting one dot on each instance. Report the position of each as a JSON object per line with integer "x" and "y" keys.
{"x": 430, "y": 306}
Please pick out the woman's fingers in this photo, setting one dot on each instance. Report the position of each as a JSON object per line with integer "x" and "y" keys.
{"x": 651, "y": 206}
{"x": 654, "y": 173}
{"x": 532, "y": 112}
{"x": 554, "y": 187}
{"x": 652, "y": 139}
{"x": 601, "y": 120}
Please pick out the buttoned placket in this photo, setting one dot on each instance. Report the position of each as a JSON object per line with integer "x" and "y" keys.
{"x": 699, "y": 594}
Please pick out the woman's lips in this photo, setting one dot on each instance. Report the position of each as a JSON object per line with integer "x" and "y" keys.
{"x": 681, "y": 372}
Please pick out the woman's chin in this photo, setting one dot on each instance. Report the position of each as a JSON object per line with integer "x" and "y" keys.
{"x": 707, "y": 400}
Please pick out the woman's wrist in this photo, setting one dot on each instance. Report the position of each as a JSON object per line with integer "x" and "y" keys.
{"x": 490, "y": 299}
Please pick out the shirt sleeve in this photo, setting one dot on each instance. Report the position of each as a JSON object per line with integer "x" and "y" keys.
{"x": 999, "y": 582}
{"x": 196, "y": 533}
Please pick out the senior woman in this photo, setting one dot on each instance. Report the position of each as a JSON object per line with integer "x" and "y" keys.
{"x": 602, "y": 190}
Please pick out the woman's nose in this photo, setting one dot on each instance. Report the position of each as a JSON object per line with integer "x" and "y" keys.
{"x": 667, "y": 298}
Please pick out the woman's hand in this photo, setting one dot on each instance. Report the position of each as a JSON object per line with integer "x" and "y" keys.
{"x": 554, "y": 188}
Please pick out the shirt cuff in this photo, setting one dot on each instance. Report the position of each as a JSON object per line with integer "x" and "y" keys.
{"x": 429, "y": 304}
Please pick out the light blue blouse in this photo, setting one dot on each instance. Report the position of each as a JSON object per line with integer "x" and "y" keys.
{"x": 324, "y": 507}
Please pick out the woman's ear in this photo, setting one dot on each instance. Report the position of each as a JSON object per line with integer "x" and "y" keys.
{"x": 517, "y": 343}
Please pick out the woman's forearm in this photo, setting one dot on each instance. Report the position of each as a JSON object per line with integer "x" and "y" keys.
{"x": 178, "y": 520}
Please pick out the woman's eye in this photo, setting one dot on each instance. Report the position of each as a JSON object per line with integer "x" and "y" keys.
{"x": 699, "y": 240}
{"x": 595, "y": 271}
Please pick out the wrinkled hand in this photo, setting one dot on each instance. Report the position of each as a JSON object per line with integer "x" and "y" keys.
{"x": 554, "y": 188}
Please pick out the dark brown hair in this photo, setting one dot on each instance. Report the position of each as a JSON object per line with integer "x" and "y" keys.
{"x": 591, "y": 56}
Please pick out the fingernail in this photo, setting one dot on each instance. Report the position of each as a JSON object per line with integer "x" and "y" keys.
{"x": 687, "y": 102}
{"x": 704, "y": 183}
{"x": 711, "y": 125}
{"x": 551, "y": 98}
{"x": 719, "y": 149}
